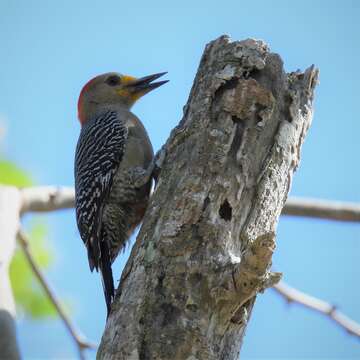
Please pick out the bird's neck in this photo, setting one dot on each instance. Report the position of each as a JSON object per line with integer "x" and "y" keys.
{"x": 93, "y": 110}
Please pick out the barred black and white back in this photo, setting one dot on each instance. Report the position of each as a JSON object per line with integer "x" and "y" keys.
{"x": 99, "y": 152}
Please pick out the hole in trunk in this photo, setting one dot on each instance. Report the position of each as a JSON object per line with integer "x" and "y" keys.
{"x": 225, "y": 211}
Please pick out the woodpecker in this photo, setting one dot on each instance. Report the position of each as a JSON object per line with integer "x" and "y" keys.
{"x": 112, "y": 181}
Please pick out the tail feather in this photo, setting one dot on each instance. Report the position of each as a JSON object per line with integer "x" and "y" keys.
{"x": 106, "y": 275}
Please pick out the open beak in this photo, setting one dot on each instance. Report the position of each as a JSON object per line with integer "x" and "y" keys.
{"x": 145, "y": 84}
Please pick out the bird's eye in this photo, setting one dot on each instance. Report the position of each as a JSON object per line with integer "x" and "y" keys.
{"x": 113, "y": 80}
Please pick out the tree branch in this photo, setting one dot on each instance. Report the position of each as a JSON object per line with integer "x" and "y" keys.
{"x": 81, "y": 343}
{"x": 50, "y": 198}
{"x": 323, "y": 209}
{"x": 9, "y": 223}
{"x": 293, "y": 295}
{"x": 46, "y": 198}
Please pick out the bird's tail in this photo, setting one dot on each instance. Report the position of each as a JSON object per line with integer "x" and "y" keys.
{"x": 106, "y": 275}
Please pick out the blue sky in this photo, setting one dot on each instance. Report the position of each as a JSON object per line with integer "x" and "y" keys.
{"x": 50, "y": 49}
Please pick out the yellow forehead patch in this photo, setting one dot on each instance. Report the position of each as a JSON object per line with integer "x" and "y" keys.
{"x": 125, "y": 79}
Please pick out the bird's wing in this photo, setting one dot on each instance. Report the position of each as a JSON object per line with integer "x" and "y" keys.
{"x": 99, "y": 152}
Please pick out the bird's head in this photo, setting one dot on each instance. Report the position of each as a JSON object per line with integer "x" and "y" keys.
{"x": 114, "y": 89}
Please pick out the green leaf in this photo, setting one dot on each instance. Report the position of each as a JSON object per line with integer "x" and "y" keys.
{"x": 10, "y": 174}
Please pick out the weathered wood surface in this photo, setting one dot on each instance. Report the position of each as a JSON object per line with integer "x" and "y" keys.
{"x": 204, "y": 250}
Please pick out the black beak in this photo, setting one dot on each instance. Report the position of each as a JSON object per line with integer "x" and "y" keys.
{"x": 146, "y": 84}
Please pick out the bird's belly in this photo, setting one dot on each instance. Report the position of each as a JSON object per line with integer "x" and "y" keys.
{"x": 134, "y": 155}
{"x": 124, "y": 209}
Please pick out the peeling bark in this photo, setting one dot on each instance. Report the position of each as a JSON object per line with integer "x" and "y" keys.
{"x": 204, "y": 250}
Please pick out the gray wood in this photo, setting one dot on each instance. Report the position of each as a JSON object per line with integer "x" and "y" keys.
{"x": 204, "y": 250}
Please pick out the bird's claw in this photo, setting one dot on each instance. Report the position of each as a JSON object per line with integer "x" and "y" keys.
{"x": 142, "y": 177}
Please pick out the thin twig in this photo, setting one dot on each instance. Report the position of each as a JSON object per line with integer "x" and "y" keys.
{"x": 292, "y": 295}
{"x": 315, "y": 208}
{"x": 81, "y": 343}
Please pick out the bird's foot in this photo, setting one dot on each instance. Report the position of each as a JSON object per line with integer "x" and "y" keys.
{"x": 142, "y": 177}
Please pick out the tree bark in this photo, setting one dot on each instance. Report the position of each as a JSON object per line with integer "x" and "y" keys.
{"x": 204, "y": 250}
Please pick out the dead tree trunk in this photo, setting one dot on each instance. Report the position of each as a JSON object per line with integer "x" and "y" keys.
{"x": 204, "y": 250}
